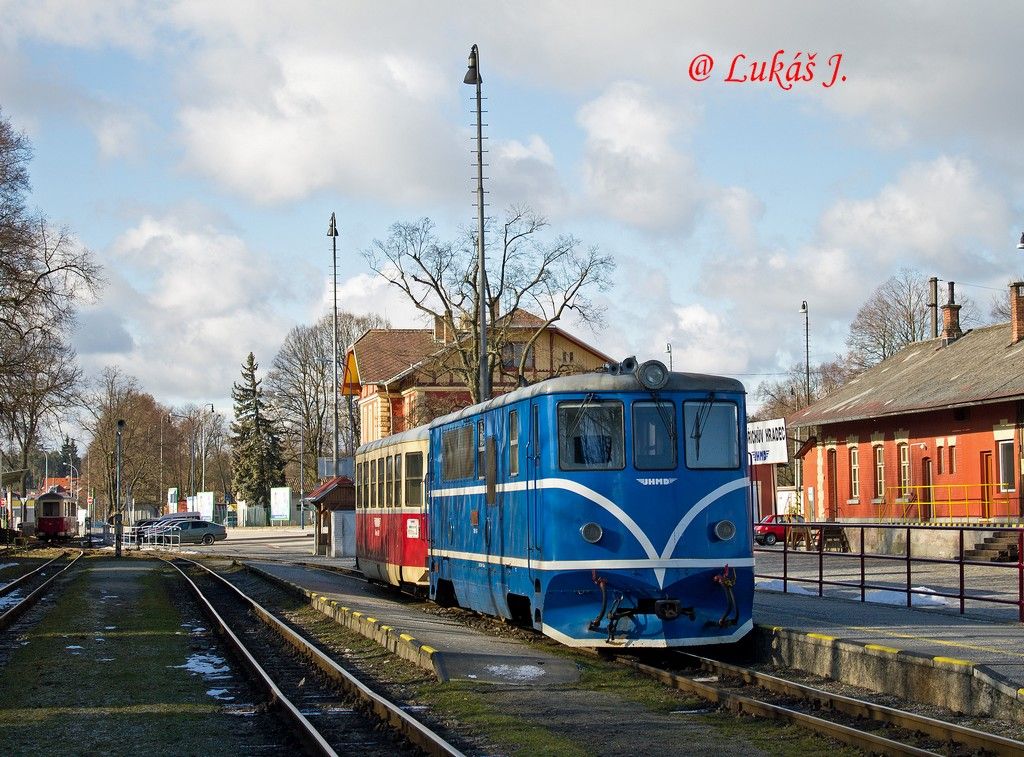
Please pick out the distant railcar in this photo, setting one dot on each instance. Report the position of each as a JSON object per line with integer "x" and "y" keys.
{"x": 604, "y": 510}
{"x": 56, "y": 516}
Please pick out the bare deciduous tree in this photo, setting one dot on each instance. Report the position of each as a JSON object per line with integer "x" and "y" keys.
{"x": 526, "y": 269}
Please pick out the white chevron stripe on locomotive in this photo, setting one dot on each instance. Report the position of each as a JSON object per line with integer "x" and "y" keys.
{"x": 620, "y": 515}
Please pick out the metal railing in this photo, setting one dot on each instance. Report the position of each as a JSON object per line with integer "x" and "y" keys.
{"x": 950, "y": 502}
{"x": 139, "y": 538}
{"x": 817, "y": 537}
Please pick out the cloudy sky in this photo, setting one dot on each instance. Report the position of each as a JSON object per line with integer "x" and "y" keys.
{"x": 199, "y": 148}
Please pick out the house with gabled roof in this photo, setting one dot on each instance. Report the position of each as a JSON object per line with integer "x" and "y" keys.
{"x": 931, "y": 434}
{"x": 404, "y": 378}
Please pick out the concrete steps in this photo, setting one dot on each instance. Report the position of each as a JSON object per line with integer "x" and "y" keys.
{"x": 998, "y": 548}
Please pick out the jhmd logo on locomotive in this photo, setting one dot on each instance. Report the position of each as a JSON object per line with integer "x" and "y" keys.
{"x": 656, "y": 481}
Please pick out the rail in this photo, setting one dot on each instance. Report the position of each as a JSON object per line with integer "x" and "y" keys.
{"x": 1003, "y": 582}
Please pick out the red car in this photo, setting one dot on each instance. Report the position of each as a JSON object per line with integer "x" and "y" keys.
{"x": 771, "y": 528}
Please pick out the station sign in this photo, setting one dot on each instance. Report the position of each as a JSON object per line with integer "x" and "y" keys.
{"x": 766, "y": 442}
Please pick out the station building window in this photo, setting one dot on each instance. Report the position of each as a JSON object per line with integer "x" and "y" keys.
{"x": 904, "y": 454}
{"x": 1007, "y": 479}
{"x": 854, "y": 473}
{"x": 879, "y": 452}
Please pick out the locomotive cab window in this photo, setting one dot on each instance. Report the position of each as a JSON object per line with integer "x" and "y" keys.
{"x": 654, "y": 435}
{"x": 590, "y": 435}
{"x": 712, "y": 434}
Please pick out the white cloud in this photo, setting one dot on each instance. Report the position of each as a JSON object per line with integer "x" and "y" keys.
{"x": 183, "y": 308}
{"x": 326, "y": 120}
{"x": 632, "y": 169}
{"x": 524, "y": 172}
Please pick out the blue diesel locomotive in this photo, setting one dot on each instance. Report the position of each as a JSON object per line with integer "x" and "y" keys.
{"x": 605, "y": 510}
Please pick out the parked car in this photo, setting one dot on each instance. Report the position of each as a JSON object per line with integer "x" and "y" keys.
{"x": 771, "y": 528}
{"x": 199, "y": 532}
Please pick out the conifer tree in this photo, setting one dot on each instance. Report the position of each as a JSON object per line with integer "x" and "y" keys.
{"x": 256, "y": 459}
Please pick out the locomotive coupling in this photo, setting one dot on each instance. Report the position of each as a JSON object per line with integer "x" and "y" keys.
{"x": 667, "y": 609}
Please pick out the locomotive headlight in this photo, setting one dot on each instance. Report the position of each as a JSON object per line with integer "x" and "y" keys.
{"x": 725, "y": 530}
{"x": 591, "y": 532}
{"x": 652, "y": 375}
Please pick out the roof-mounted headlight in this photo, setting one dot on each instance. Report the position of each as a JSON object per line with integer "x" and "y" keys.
{"x": 652, "y": 375}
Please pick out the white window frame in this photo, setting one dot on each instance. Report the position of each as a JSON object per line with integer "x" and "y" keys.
{"x": 854, "y": 459}
{"x": 1006, "y": 466}
{"x": 904, "y": 469}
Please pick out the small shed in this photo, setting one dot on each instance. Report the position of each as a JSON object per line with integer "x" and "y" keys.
{"x": 334, "y": 503}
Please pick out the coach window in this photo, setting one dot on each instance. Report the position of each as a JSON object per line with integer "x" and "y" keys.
{"x": 397, "y": 496}
{"x": 371, "y": 500}
{"x": 457, "y": 453}
{"x": 389, "y": 476}
{"x": 414, "y": 479}
{"x": 481, "y": 449}
{"x": 654, "y": 435}
{"x": 359, "y": 482}
{"x": 1007, "y": 481}
{"x": 590, "y": 436}
{"x": 513, "y": 443}
{"x": 712, "y": 434}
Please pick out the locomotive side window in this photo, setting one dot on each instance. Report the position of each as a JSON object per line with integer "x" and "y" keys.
{"x": 397, "y": 493}
{"x": 481, "y": 447}
{"x": 513, "y": 443}
{"x": 654, "y": 435}
{"x": 712, "y": 434}
{"x": 590, "y": 436}
{"x": 457, "y": 453}
{"x": 414, "y": 478}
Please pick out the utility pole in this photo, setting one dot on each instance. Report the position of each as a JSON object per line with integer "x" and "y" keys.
{"x": 473, "y": 77}
{"x": 117, "y": 491}
{"x": 332, "y": 232}
{"x": 208, "y": 405}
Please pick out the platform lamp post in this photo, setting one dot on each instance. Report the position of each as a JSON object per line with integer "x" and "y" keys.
{"x": 117, "y": 489}
{"x": 332, "y": 232}
{"x": 473, "y": 77}
{"x": 807, "y": 398}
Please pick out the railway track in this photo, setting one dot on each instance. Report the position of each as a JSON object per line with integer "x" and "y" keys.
{"x": 331, "y": 711}
{"x": 872, "y": 727}
{"x": 29, "y": 588}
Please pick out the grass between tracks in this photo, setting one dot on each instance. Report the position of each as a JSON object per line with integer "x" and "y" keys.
{"x": 102, "y": 673}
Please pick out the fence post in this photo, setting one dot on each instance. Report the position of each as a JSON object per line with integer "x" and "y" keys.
{"x": 785, "y": 558}
{"x": 961, "y": 570}
{"x": 1020, "y": 574}
{"x": 821, "y": 561}
{"x": 909, "y": 595}
{"x": 863, "y": 595}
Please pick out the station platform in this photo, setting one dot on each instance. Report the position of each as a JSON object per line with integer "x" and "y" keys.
{"x": 452, "y": 650}
{"x": 965, "y": 664}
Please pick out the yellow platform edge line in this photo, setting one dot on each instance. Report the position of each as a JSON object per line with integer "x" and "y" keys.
{"x": 953, "y": 661}
{"x": 880, "y": 648}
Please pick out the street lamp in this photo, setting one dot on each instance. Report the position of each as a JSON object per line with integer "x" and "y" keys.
{"x": 207, "y": 405}
{"x": 473, "y": 77}
{"x": 117, "y": 491}
{"x": 668, "y": 351}
{"x": 807, "y": 352}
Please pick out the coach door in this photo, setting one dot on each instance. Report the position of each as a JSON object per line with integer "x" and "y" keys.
{"x": 532, "y": 493}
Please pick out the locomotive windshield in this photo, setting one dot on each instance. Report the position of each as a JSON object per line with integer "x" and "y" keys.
{"x": 654, "y": 435}
{"x": 590, "y": 435}
{"x": 712, "y": 434}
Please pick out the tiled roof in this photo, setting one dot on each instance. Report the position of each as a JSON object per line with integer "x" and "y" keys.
{"x": 382, "y": 354}
{"x": 520, "y": 318}
{"x": 979, "y": 367}
{"x": 326, "y": 488}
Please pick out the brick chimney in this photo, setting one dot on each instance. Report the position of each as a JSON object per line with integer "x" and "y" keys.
{"x": 440, "y": 330}
{"x": 951, "y": 320}
{"x": 1016, "y": 311}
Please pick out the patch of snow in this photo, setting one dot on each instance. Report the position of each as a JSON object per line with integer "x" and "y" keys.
{"x": 776, "y": 585}
{"x": 109, "y": 628}
{"x": 221, "y": 694}
{"x": 210, "y": 666}
{"x": 11, "y": 599}
{"x": 8, "y": 565}
{"x": 517, "y": 672}
{"x": 892, "y": 597}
